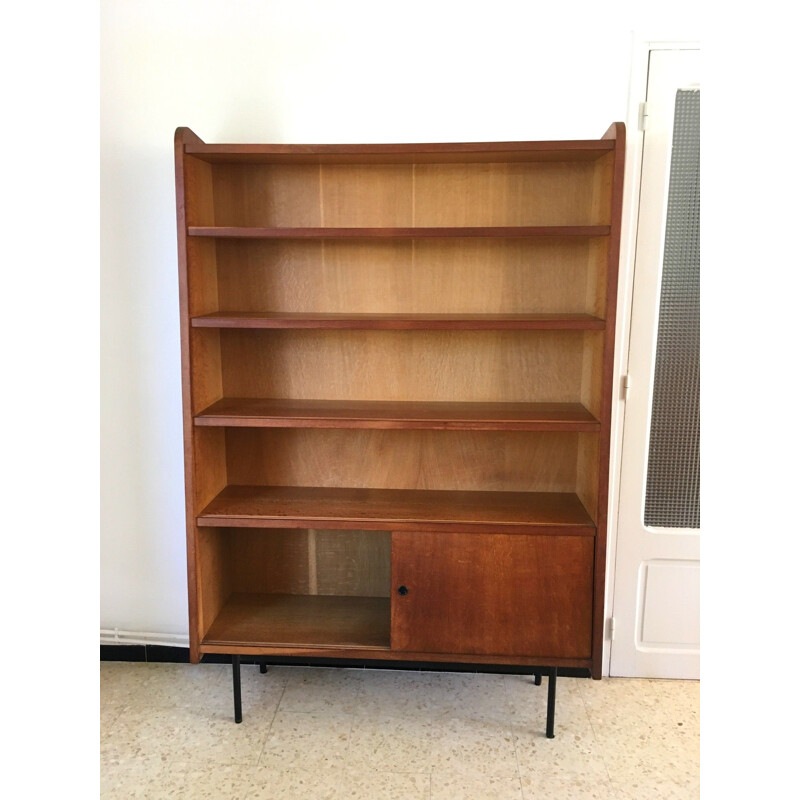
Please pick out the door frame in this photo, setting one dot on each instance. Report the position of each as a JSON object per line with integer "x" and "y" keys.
{"x": 641, "y": 46}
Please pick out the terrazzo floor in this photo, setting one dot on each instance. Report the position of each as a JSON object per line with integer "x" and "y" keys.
{"x": 308, "y": 733}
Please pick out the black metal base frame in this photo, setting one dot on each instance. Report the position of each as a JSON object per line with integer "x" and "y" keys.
{"x": 236, "y": 662}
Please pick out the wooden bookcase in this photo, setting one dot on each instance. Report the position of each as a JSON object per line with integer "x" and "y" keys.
{"x": 397, "y": 381}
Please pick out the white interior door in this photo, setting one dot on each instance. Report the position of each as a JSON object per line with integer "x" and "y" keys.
{"x": 657, "y": 576}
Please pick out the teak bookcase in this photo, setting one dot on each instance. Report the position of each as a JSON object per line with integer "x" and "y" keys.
{"x": 397, "y": 382}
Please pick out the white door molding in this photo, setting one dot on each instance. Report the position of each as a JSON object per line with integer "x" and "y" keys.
{"x": 641, "y": 47}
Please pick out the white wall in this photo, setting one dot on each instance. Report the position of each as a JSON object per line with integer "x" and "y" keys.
{"x": 281, "y": 72}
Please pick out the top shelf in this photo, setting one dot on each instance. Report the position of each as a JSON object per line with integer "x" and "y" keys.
{"x": 431, "y": 153}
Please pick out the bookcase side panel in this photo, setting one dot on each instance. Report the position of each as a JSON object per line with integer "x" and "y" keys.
{"x": 614, "y": 184}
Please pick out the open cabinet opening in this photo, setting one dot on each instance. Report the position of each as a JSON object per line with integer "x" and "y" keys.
{"x": 317, "y": 588}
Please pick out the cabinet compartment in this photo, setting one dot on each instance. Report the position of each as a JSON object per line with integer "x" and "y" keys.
{"x": 303, "y": 587}
{"x": 492, "y": 594}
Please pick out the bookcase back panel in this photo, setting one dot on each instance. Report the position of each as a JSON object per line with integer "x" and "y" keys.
{"x": 538, "y": 366}
{"x": 403, "y": 195}
{"x": 423, "y": 276}
{"x": 505, "y": 194}
{"x": 353, "y": 563}
{"x": 383, "y": 459}
{"x": 272, "y": 195}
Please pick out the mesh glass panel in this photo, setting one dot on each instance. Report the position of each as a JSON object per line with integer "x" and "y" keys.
{"x": 672, "y": 496}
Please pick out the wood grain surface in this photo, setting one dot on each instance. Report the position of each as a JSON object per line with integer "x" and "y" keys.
{"x": 253, "y": 412}
{"x": 394, "y": 232}
{"x": 409, "y": 322}
{"x": 492, "y": 594}
{"x": 403, "y": 459}
{"x": 439, "y": 365}
{"x": 291, "y": 619}
{"x": 396, "y": 509}
{"x": 438, "y": 152}
{"x": 533, "y": 275}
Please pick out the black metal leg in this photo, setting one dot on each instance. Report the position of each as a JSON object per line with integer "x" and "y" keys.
{"x": 551, "y": 702}
{"x": 237, "y": 688}
{"x": 262, "y": 668}
{"x": 537, "y": 678}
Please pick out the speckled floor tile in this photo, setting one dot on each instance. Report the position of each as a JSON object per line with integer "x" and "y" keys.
{"x": 656, "y": 789}
{"x": 145, "y": 779}
{"x": 526, "y": 704}
{"x": 389, "y": 693}
{"x": 475, "y": 787}
{"x": 260, "y": 693}
{"x": 215, "y": 740}
{"x": 624, "y": 738}
{"x": 466, "y": 747}
{"x": 638, "y": 723}
{"x": 119, "y": 680}
{"x": 468, "y": 697}
{"x": 396, "y": 745}
{"x": 667, "y": 759}
{"x": 321, "y": 689}
{"x": 109, "y": 714}
{"x": 307, "y": 740}
{"x": 187, "y": 685}
{"x": 167, "y": 731}
{"x": 208, "y": 782}
{"x": 642, "y": 713}
{"x": 569, "y": 787}
{"x": 573, "y": 751}
{"x": 145, "y": 733}
{"x": 383, "y": 786}
{"x": 160, "y": 685}
{"x": 641, "y": 697}
{"x": 288, "y": 784}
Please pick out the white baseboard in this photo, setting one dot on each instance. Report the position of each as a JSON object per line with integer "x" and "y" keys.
{"x": 117, "y": 636}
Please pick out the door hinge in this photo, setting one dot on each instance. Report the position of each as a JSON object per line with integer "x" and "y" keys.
{"x": 642, "y": 116}
{"x": 626, "y": 385}
{"x": 612, "y": 627}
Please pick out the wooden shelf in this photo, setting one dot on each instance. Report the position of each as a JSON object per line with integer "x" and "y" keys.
{"x": 302, "y": 620}
{"x": 464, "y": 322}
{"x": 275, "y": 413}
{"x": 432, "y": 153}
{"x": 516, "y": 231}
{"x": 396, "y": 509}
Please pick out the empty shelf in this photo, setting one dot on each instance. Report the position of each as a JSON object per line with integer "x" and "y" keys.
{"x": 466, "y": 322}
{"x": 396, "y": 509}
{"x": 302, "y": 620}
{"x": 275, "y": 413}
{"x": 515, "y": 231}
